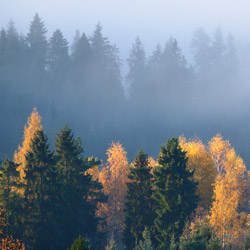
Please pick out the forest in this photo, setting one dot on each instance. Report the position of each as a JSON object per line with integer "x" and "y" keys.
{"x": 77, "y": 176}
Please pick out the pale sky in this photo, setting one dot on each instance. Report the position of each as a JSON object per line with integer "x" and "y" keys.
{"x": 122, "y": 20}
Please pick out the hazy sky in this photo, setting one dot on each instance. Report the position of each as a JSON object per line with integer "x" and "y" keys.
{"x": 153, "y": 20}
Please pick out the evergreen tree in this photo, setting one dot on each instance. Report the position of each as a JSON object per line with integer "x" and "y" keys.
{"x": 38, "y": 46}
{"x": 174, "y": 193}
{"x": 111, "y": 245}
{"x": 137, "y": 69}
{"x": 58, "y": 58}
{"x": 107, "y": 63}
{"x": 200, "y": 238}
{"x": 201, "y": 49}
{"x": 146, "y": 243}
{"x": 81, "y": 244}
{"x": 78, "y": 191}
{"x": 9, "y": 183}
{"x": 40, "y": 176}
{"x": 100, "y": 45}
{"x": 139, "y": 203}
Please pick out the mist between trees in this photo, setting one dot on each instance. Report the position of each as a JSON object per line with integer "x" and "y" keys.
{"x": 162, "y": 94}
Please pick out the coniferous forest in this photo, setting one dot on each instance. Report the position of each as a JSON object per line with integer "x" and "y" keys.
{"x": 150, "y": 159}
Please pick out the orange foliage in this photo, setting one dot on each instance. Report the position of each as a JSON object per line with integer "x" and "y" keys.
{"x": 201, "y": 162}
{"x": 219, "y": 149}
{"x": 226, "y": 216}
{"x": 114, "y": 180}
{"x": 33, "y": 124}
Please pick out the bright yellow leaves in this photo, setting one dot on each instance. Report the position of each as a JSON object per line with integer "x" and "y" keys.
{"x": 226, "y": 216}
{"x": 114, "y": 180}
{"x": 33, "y": 124}
{"x": 219, "y": 149}
{"x": 220, "y": 172}
{"x": 201, "y": 162}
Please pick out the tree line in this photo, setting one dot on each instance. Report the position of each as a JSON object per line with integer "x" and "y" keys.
{"x": 82, "y": 83}
{"x": 194, "y": 196}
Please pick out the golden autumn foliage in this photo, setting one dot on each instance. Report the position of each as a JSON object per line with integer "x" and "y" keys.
{"x": 152, "y": 163}
{"x": 33, "y": 125}
{"x": 8, "y": 242}
{"x": 226, "y": 216}
{"x": 219, "y": 149}
{"x": 114, "y": 180}
{"x": 201, "y": 162}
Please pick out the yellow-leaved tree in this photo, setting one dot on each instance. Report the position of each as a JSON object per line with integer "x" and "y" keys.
{"x": 227, "y": 216}
{"x": 200, "y": 161}
{"x": 114, "y": 180}
{"x": 33, "y": 125}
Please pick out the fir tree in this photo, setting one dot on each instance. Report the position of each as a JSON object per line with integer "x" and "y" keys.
{"x": 199, "y": 238}
{"x": 174, "y": 193}
{"x": 38, "y": 46}
{"x": 81, "y": 244}
{"x": 9, "y": 183}
{"x": 111, "y": 245}
{"x": 79, "y": 193}
{"x": 146, "y": 243}
{"x": 58, "y": 58}
{"x": 39, "y": 194}
{"x": 139, "y": 203}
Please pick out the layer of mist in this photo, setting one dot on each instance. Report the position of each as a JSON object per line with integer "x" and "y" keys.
{"x": 161, "y": 96}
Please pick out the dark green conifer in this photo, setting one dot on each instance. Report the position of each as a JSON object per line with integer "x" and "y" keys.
{"x": 9, "y": 198}
{"x": 39, "y": 194}
{"x": 81, "y": 244}
{"x": 79, "y": 193}
{"x": 139, "y": 203}
{"x": 174, "y": 193}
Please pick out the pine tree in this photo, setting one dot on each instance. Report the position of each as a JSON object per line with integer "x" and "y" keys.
{"x": 146, "y": 243}
{"x": 137, "y": 69}
{"x": 111, "y": 245}
{"x": 40, "y": 177}
{"x": 139, "y": 203}
{"x": 199, "y": 238}
{"x": 58, "y": 58}
{"x": 201, "y": 49}
{"x": 9, "y": 183}
{"x": 81, "y": 244}
{"x": 38, "y": 47}
{"x": 78, "y": 191}
{"x": 174, "y": 193}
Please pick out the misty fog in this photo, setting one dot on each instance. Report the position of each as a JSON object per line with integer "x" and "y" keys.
{"x": 139, "y": 98}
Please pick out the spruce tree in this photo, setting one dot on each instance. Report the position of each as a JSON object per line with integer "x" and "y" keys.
{"x": 146, "y": 243}
{"x": 58, "y": 58}
{"x": 139, "y": 203}
{"x": 174, "y": 193}
{"x": 38, "y": 47}
{"x": 111, "y": 245}
{"x": 79, "y": 193}
{"x": 39, "y": 194}
{"x": 9, "y": 182}
{"x": 81, "y": 244}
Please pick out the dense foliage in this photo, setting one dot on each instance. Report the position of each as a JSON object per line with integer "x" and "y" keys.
{"x": 58, "y": 195}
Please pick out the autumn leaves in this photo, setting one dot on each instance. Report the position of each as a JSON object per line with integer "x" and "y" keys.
{"x": 127, "y": 198}
{"x": 223, "y": 187}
